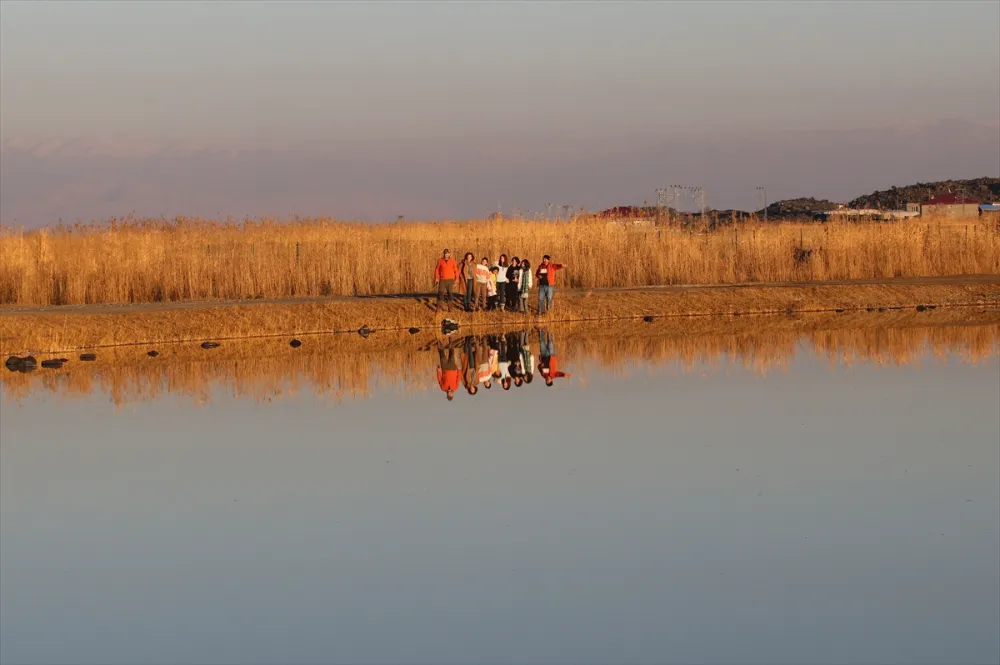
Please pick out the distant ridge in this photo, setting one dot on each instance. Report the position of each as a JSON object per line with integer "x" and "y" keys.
{"x": 895, "y": 198}
{"x": 983, "y": 189}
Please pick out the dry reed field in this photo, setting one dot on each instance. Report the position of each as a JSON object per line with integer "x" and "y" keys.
{"x": 339, "y": 367}
{"x": 143, "y": 261}
{"x": 67, "y": 330}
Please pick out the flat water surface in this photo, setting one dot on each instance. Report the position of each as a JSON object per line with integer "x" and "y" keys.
{"x": 814, "y": 499}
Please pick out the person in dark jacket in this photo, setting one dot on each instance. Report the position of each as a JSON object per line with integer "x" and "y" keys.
{"x": 513, "y": 284}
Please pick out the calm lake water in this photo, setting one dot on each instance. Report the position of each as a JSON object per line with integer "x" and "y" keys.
{"x": 750, "y": 499}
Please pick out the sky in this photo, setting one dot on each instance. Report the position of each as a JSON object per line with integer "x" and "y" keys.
{"x": 452, "y": 109}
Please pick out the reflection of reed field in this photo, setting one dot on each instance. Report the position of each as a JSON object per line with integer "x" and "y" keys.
{"x": 338, "y": 366}
{"x": 153, "y": 260}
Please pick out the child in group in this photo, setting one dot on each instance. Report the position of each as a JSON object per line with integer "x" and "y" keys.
{"x": 492, "y": 298}
{"x": 525, "y": 282}
{"x": 482, "y": 281}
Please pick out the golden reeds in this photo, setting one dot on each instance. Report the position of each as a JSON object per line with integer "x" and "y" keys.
{"x": 335, "y": 367}
{"x": 138, "y": 261}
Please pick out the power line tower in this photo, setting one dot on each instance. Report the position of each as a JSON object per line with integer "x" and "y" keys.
{"x": 763, "y": 192}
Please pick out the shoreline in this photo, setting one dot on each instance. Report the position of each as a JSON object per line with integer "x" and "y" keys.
{"x": 110, "y": 308}
{"x": 72, "y": 328}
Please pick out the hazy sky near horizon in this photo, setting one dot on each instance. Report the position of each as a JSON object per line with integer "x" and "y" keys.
{"x": 450, "y": 78}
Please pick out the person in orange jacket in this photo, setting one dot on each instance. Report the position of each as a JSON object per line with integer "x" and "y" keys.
{"x": 545, "y": 275}
{"x": 447, "y": 373}
{"x": 445, "y": 278}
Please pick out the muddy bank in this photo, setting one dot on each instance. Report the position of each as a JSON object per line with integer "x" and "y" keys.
{"x": 52, "y": 330}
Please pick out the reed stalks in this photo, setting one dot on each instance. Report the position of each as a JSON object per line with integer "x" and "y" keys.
{"x": 144, "y": 261}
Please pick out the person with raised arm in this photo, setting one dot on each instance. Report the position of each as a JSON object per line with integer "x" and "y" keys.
{"x": 546, "y": 276}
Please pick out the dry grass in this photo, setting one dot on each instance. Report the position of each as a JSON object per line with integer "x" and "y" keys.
{"x": 347, "y": 366}
{"x": 156, "y": 324}
{"x": 138, "y": 261}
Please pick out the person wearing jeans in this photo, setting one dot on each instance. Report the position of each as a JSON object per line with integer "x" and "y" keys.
{"x": 546, "y": 345}
{"x": 546, "y": 276}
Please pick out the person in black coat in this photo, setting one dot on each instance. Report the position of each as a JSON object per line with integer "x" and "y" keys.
{"x": 513, "y": 284}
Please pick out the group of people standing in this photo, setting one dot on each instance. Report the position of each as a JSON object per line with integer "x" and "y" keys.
{"x": 506, "y": 359}
{"x": 504, "y": 285}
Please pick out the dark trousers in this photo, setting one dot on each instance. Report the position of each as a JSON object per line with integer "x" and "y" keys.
{"x": 468, "y": 294}
{"x": 447, "y": 361}
{"x": 512, "y": 296}
{"x": 445, "y": 290}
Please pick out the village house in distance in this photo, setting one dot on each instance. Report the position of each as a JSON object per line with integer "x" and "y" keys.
{"x": 950, "y": 205}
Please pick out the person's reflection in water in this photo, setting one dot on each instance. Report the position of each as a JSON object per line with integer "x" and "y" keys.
{"x": 484, "y": 370}
{"x": 503, "y": 366}
{"x": 447, "y": 373}
{"x": 469, "y": 378}
{"x": 494, "y": 343}
{"x": 527, "y": 358}
{"x": 548, "y": 360}
{"x": 514, "y": 371}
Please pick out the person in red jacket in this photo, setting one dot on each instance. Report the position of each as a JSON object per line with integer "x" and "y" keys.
{"x": 447, "y": 373}
{"x": 545, "y": 275}
{"x": 445, "y": 277}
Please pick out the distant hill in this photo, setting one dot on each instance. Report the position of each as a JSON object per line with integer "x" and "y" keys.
{"x": 896, "y": 198}
{"x": 797, "y": 207}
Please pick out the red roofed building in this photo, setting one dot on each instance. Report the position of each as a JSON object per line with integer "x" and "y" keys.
{"x": 951, "y": 205}
{"x": 628, "y": 212}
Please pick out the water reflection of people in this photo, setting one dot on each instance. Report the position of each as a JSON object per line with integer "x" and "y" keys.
{"x": 447, "y": 369}
{"x": 527, "y": 358}
{"x": 479, "y": 360}
{"x": 469, "y": 366}
{"x": 510, "y": 353}
{"x": 549, "y": 362}
{"x": 484, "y": 371}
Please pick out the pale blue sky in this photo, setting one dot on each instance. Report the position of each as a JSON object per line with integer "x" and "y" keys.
{"x": 460, "y": 81}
